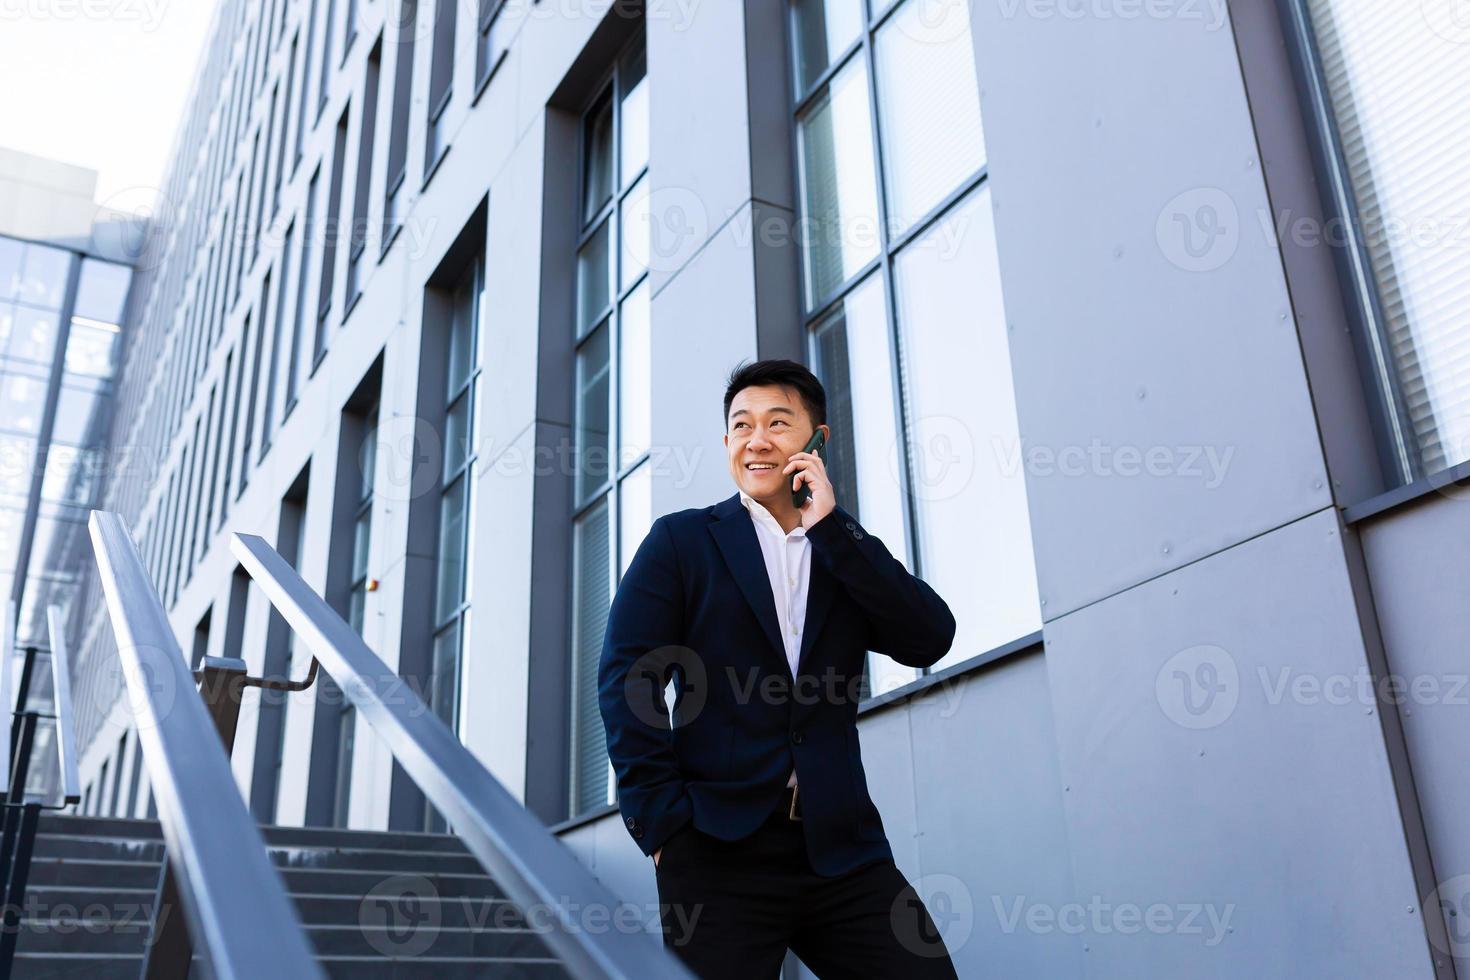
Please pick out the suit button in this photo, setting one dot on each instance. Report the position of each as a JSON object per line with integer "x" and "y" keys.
{"x": 638, "y": 832}
{"x": 796, "y": 738}
{"x": 850, "y": 526}
{"x": 631, "y": 822}
{"x": 857, "y": 535}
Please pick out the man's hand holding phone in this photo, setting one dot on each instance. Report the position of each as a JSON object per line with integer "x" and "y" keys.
{"x": 811, "y": 490}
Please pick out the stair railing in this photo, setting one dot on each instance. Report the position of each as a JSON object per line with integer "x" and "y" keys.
{"x": 532, "y": 866}
{"x": 234, "y": 902}
{"x": 22, "y": 810}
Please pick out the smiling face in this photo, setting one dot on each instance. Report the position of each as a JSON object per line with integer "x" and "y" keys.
{"x": 767, "y": 423}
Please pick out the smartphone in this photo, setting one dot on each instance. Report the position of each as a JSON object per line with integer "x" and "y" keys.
{"x": 817, "y": 444}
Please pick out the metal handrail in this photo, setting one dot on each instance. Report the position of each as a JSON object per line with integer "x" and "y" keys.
{"x": 66, "y": 737}
{"x": 7, "y": 658}
{"x": 534, "y": 868}
{"x": 233, "y": 897}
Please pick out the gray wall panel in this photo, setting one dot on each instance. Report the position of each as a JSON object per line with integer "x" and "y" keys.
{"x": 1119, "y": 333}
{"x": 993, "y": 837}
{"x": 1420, "y": 590}
{"x": 1211, "y": 760}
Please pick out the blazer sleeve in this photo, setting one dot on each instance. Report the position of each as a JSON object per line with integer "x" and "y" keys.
{"x": 907, "y": 619}
{"x": 646, "y": 616}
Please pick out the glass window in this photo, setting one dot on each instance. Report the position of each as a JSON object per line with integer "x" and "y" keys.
{"x": 597, "y": 163}
{"x": 594, "y": 426}
{"x": 918, "y": 382}
{"x": 592, "y": 559}
{"x": 633, "y": 116}
{"x": 636, "y": 227}
{"x": 43, "y": 276}
{"x": 635, "y": 514}
{"x": 929, "y": 144}
{"x": 11, "y": 254}
{"x": 102, "y": 290}
{"x": 594, "y": 276}
{"x": 824, "y": 30}
{"x": 635, "y": 376}
{"x": 962, "y": 433}
{"x": 613, "y": 489}
{"x": 839, "y": 189}
{"x": 1404, "y": 139}
{"x": 346, "y": 744}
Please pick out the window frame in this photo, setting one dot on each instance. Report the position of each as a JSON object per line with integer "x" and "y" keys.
{"x": 1397, "y": 451}
{"x": 890, "y": 247}
{"x": 608, "y": 491}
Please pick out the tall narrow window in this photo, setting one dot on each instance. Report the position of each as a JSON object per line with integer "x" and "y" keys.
{"x": 394, "y": 194}
{"x": 456, "y": 501}
{"x": 330, "y": 231}
{"x": 441, "y": 84}
{"x": 268, "y": 413}
{"x": 252, "y": 390}
{"x": 880, "y": 289}
{"x": 284, "y": 110}
{"x": 309, "y": 15}
{"x": 357, "y": 240}
{"x": 1399, "y": 141}
{"x": 493, "y": 42}
{"x": 329, "y": 35}
{"x": 294, "y": 368}
{"x": 612, "y": 484}
{"x": 362, "y": 531}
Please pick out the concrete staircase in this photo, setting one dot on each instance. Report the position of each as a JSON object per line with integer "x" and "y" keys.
{"x": 373, "y": 905}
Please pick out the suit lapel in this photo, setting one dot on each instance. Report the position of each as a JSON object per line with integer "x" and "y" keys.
{"x": 734, "y": 533}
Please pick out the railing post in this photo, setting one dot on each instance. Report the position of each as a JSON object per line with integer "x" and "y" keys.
{"x": 19, "y": 769}
{"x": 20, "y": 872}
{"x": 222, "y": 680}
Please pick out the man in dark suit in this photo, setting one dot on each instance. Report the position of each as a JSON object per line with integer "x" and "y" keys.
{"x": 755, "y": 806}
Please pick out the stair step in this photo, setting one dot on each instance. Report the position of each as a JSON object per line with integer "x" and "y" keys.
{"x": 358, "y": 858}
{"x": 52, "y": 824}
{"x": 108, "y": 967}
{"x": 314, "y": 881}
{"x": 419, "y": 937}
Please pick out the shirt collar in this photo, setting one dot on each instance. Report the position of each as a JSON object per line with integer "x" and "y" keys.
{"x": 758, "y": 512}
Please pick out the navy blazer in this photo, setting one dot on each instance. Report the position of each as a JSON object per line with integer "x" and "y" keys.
{"x": 696, "y": 606}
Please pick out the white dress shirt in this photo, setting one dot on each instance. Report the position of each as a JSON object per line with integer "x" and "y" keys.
{"x": 789, "y": 566}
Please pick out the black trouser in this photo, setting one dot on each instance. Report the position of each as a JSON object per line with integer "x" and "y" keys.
{"x": 732, "y": 908}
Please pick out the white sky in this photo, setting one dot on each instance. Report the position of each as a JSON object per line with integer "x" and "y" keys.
{"x": 100, "y": 83}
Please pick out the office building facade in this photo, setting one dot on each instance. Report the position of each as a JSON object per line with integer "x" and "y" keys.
{"x": 1138, "y": 323}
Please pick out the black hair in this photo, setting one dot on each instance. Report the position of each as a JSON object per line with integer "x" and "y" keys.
{"x": 779, "y": 372}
